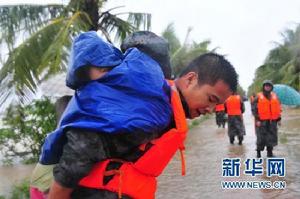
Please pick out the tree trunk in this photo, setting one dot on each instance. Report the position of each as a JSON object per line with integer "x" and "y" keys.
{"x": 91, "y": 7}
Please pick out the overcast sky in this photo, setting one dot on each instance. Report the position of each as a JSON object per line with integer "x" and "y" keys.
{"x": 244, "y": 30}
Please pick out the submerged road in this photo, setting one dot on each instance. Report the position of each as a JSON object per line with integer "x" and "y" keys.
{"x": 207, "y": 145}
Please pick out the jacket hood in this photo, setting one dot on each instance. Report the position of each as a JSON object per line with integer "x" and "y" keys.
{"x": 90, "y": 50}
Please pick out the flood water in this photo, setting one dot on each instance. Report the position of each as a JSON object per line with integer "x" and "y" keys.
{"x": 10, "y": 175}
{"x": 205, "y": 148}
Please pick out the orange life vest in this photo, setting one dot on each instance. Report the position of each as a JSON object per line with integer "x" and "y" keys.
{"x": 138, "y": 179}
{"x": 233, "y": 105}
{"x": 268, "y": 109}
{"x": 220, "y": 107}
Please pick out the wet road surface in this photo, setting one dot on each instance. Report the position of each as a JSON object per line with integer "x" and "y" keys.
{"x": 206, "y": 147}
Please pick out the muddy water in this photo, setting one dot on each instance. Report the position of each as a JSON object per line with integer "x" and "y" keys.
{"x": 10, "y": 175}
{"x": 207, "y": 146}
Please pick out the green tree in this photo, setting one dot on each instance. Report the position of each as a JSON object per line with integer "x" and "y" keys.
{"x": 38, "y": 38}
{"x": 182, "y": 54}
{"x": 25, "y": 128}
{"x": 241, "y": 91}
{"x": 282, "y": 65}
{"x": 21, "y": 190}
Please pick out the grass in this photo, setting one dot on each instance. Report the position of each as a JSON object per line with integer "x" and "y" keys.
{"x": 195, "y": 122}
{"x": 19, "y": 191}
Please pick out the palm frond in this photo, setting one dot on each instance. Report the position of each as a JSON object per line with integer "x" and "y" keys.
{"x": 142, "y": 21}
{"x": 202, "y": 45}
{"x": 170, "y": 35}
{"x": 48, "y": 31}
{"x": 43, "y": 54}
{"x": 111, "y": 23}
{"x": 184, "y": 55}
{"x": 26, "y": 18}
{"x": 57, "y": 53}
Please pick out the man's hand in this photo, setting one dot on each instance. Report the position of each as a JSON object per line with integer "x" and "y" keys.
{"x": 258, "y": 123}
{"x": 279, "y": 123}
{"x": 59, "y": 192}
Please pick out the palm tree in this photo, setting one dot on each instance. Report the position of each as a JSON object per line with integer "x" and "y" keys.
{"x": 38, "y": 39}
{"x": 182, "y": 54}
{"x": 282, "y": 64}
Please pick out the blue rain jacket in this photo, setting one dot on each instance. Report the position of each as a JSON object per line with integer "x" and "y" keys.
{"x": 132, "y": 97}
{"x": 90, "y": 50}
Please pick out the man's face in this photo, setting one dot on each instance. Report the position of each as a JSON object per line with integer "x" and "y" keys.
{"x": 201, "y": 99}
{"x": 268, "y": 87}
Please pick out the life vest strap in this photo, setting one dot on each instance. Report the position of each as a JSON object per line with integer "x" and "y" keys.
{"x": 142, "y": 147}
{"x": 182, "y": 157}
{"x": 116, "y": 172}
{"x": 138, "y": 179}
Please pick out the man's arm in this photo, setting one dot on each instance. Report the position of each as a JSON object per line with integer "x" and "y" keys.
{"x": 80, "y": 153}
{"x": 254, "y": 108}
{"x": 255, "y": 111}
{"x": 242, "y": 106}
{"x": 59, "y": 192}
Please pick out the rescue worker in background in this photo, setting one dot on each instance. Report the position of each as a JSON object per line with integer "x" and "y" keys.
{"x": 267, "y": 113}
{"x": 234, "y": 107}
{"x": 220, "y": 115}
{"x": 208, "y": 80}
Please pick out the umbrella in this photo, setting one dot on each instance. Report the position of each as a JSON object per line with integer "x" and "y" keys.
{"x": 287, "y": 95}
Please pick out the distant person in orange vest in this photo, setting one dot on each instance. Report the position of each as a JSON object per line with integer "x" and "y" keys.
{"x": 235, "y": 108}
{"x": 220, "y": 115}
{"x": 267, "y": 112}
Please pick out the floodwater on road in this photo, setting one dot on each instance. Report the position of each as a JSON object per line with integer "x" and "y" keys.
{"x": 11, "y": 175}
{"x": 206, "y": 147}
